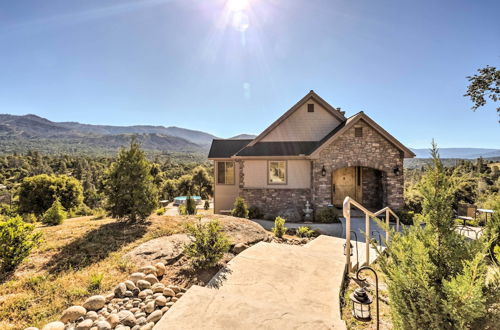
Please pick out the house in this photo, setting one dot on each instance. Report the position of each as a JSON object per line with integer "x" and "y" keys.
{"x": 311, "y": 153}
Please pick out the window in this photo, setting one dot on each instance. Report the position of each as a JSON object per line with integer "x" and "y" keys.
{"x": 276, "y": 172}
{"x": 358, "y": 131}
{"x": 310, "y": 108}
{"x": 225, "y": 172}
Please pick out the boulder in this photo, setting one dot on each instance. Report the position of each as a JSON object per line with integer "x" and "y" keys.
{"x": 160, "y": 269}
{"x": 94, "y": 303}
{"x": 126, "y": 318}
{"x": 120, "y": 290}
{"x": 168, "y": 292}
{"x": 113, "y": 320}
{"x": 158, "y": 287}
{"x": 240, "y": 230}
{"x": 160, "y": 301}
{"x": 130, "y": 285}
{"x": 57, "y": 325}
{"x": 136, "y": 277}
{"x": 149, "y": 269}
{"x": 85, "y": 324}
{"x": 73, "y": 313}
{"x": 162, "y": 248}
{"x": 143, "y": 284}
{"x": 151, "y": 278}
{"x": 91, "y": 315}
{"x": 150, "y": 307}
{"x": 155, "y": 316}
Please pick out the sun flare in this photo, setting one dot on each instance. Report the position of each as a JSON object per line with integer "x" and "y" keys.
{"x": 237, "y": 5}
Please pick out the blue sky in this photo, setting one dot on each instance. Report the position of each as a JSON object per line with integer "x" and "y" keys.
{"x": 230, "y": 67}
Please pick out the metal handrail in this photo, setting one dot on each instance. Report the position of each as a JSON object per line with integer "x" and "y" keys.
{"x": 346, "y": 211}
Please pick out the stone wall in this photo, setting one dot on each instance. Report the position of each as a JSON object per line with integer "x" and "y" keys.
{"x": 371, "y": 150}
{"x": 373, "y": 192}
{"x": 277, "y": 201}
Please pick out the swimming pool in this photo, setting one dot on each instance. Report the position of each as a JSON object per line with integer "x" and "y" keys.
{"x": 182, "y": 200}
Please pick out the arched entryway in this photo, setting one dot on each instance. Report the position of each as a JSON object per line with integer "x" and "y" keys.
{"x": 365, "y": 184}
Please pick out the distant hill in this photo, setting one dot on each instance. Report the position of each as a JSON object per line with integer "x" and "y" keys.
{"x": 31, "y": 132}
{"x": 459, "y": 153}
{"x": 244, "y": 137}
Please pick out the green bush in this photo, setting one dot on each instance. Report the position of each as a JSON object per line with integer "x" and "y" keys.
{"x": 95, "y": 281}
{"x": 7, "y": 210}
{"x": 182, "y": 209}
{"x": 17, "y": 239}
{"x": 206, "y": 206}
{"x": 240, "y": 209}
{"x": 99, "y": 214}
{"x": 208, "y": 244}
{"x": 327, "y": 215}
{"x": 29, "y": 218}
{"x": 254, "y": 212}
{"x": 82, "y": 210}
{"x": 279, "y": 228}
{"x": 160, "y": 211}
{"x": 55, "y": 215}
{"x": 190, "y": 206}
{"x": 304, "y": 231}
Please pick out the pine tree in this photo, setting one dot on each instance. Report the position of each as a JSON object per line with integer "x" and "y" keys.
{"x": 129, "y": 187}
{"x": 435, "y": 276}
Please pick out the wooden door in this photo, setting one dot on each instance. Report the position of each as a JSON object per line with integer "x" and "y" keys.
{"x": 343, "y": 184}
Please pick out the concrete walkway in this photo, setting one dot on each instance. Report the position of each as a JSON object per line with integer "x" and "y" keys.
{"x": 269, "y": 286}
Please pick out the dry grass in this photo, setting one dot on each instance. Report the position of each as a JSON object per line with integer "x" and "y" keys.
{"x": 78, "y": 258}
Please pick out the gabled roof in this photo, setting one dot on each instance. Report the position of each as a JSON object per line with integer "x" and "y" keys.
{"x": 350, "y": 122}
{"x": 295, "y": 148}
{"x": 226, "y": 148}
{"x": 311, "y": 95}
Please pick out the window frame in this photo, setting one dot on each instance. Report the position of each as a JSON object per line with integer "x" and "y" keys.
{"x": 268, "y": 173}
{"x": 225, "y": 170}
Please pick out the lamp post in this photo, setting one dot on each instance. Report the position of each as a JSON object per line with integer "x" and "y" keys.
{"x": 361, "y": 301}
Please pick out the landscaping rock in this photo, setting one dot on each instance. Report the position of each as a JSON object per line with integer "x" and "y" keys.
{"x": 150, "y": 307}
{"x": 151, "y": 278}
{"x": 144, "y": 293}
{"x": 149, "y": 269}
{"x": 160, "y": 269}
{"x": 120, "y": 290}
{"x": 91, "y": 315}
{"x": 113, "y": 320}
{"x": 158, "y": 287}
{"x": 161, "y": 301}
{"x": 85, "y": 324}
{"x": 240, "y": 230}
{"x": 94, "y": 303}
{"x": 126, "y": 318}
{"x": 141, "y": 321}
{"x": 103, "y": 325}
{"x": 168, "y": 292}
{"x": 148, "y": 326}
{"x": 240, "y": 247}
{"x": 143, "y": 284}
{"x": 130, "y": 285}
{"x": 162, "y": 248}
{"x": 73, "y": 313}
{"x": 175, "y": 288}
{"x": 155, "y": 316}
{"x": 136, "y": 277}
{"x": 31, "y": 328}
{"x": 109, "y": 297}
{"x": 57, "y": 325}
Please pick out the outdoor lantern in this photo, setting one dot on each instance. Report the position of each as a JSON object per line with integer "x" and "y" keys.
{"x": 361, "y": 302}
{"x": 323, "y": 171}
{"x": 345, "y": 248}
{"x": 396, "y": 170}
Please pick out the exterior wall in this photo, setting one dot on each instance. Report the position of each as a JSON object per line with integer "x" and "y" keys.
{"x": 225, "y": 194}
{"x": 276, "y": 201}
{"x": 372, "y": 150}
{"x": 304, "y": 126}
{"x": 255, "y": 174}
{"x": 372, "y": 185}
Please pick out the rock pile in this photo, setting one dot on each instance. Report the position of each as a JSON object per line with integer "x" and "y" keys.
{"x": 135, "y": 304}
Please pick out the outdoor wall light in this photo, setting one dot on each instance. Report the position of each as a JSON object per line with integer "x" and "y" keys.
{"x": 396, "y": 170}
{"x": 323, "y": 171}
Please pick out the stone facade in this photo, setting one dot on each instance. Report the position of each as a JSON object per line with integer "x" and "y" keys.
{"x": 275, "y": 201}
{"x": 371, "y": 150}
{"x": 373, "y": 188}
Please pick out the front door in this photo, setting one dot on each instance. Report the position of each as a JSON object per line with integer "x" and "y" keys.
{"x": 346, "y": 182}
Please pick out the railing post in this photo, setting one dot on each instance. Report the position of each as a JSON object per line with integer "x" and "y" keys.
{"x": 368, "y": 234}
{"x": 347, "y": 215}
{"x": 387, "y": 215}
{"x": 397, "y": 224}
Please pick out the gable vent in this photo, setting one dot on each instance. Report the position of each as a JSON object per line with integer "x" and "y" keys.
{"x": 358, "y": 131}
{"x": 310, "y": 108}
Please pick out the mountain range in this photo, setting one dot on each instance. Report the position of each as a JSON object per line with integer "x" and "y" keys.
{"x": 32, "y": 132}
